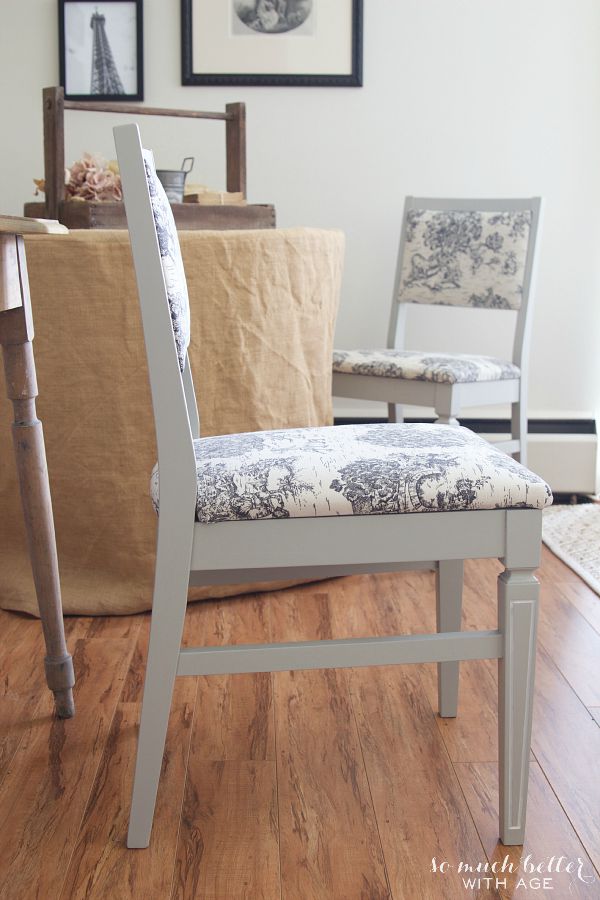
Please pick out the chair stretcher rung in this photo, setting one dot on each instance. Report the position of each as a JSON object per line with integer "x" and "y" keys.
{"x": 339, "y": 654}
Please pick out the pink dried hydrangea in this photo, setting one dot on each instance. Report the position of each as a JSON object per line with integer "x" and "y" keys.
{"x": 91, "y": 178}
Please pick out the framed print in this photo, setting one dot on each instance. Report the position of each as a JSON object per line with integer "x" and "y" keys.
{"x": 272, "y": 42}
{"x": 101, "y": 49}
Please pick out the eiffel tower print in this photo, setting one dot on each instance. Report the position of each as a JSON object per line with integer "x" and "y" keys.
{"x": 105, "y": 77}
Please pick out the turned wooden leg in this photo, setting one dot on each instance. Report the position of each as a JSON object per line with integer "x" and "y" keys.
{"x": 28, "y": 440}
{"x": 15, "y": 337}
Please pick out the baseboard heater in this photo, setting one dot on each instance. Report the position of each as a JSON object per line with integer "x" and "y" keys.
{"x": 563, "y": 451}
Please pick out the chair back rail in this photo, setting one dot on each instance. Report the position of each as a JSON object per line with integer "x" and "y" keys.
{"x": 397, "y": 323}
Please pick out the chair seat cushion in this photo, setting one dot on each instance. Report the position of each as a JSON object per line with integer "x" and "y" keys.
{"x": 355, "y": 470}
{"x": 415, "y": 366}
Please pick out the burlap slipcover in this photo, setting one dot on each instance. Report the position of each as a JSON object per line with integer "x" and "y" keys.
{"x": 263, "y": 311}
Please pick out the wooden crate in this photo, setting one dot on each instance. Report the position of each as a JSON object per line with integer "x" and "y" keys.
{"x": 188, "y": 216}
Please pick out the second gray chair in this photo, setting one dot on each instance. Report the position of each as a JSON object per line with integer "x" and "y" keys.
{"x": 464, "y": 253}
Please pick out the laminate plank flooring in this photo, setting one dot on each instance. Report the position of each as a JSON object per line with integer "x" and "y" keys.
{"x": 23, "y": 682}
{"x": 101, "y": 865}
{"x": 417, "y": 797}
{"x": 583, "y": 599}
{"x": 547, "y": 835}
{"x": 330, "y": 844}
{"x": 572, "y": 643}
{"x": 49, "y": 781}
{"x": 229, "y": 834}
{"x": 322, "y": 784}
{"x": 566, "y": 743}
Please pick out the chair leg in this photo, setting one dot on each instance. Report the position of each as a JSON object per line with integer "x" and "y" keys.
{"x": 168, "y": 615}
{"x": 518, "y": 593}
{"x": 447, "y": 405}
{"x": 449, "y": 586}
{"x": 395, "y": 413}
{"x": 519, "y": 430}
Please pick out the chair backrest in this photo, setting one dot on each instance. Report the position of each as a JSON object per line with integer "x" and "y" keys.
{"x": 164, "y": 305}
{"x": 467, "y": 253}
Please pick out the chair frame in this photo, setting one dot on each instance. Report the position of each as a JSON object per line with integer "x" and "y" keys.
{"x": 192, "y": 553}
{"x": 449, "y": 399}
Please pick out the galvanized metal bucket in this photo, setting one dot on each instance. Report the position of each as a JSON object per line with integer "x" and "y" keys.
{"x": 173, "y": 180}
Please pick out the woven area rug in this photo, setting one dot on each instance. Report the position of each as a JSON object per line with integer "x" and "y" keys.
{"x": 573, "y": 534}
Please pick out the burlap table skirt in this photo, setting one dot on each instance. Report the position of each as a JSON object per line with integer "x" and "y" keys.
{"x": 263, "y": 311}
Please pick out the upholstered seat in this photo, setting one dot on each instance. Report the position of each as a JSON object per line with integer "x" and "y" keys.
{"x": 355, "y": 470}
{"x": 416, "y": 366}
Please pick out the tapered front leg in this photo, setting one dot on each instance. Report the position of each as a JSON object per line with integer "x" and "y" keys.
{"x": 518, "y": 593}
{"x": 449, "y": 587}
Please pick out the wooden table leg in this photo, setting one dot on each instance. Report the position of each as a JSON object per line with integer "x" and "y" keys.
{"x": 28, "y": 439}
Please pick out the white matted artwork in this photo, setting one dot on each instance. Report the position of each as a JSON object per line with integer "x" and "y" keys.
{"x": 101, "y": 49}
{"x": 252, "y": 17}
{"x": 272, "y": 42}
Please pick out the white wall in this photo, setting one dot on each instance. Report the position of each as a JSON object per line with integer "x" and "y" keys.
{"x": 465, "y": 98}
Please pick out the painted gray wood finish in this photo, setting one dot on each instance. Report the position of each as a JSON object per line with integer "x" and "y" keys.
{"x": 189, "y": 552}
{"x": 449, "y": 399}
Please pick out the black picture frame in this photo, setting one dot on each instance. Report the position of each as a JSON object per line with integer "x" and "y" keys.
{"x": 125, "y": 43}
{"x": 353, "y": 78}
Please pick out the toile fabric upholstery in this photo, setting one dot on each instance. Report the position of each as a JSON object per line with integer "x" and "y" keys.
{"x": 465, "y": 258}
{"x": 171, "y": 260}
{"x": 413, "y": 365}
{"x": 355, "y": 470}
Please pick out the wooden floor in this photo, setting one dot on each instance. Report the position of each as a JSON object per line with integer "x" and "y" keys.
{"x": 331, "y": 784}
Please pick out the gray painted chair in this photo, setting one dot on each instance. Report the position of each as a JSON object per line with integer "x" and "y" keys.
{"x": 476, "y": 253}
{"x": 313, "y": 503}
